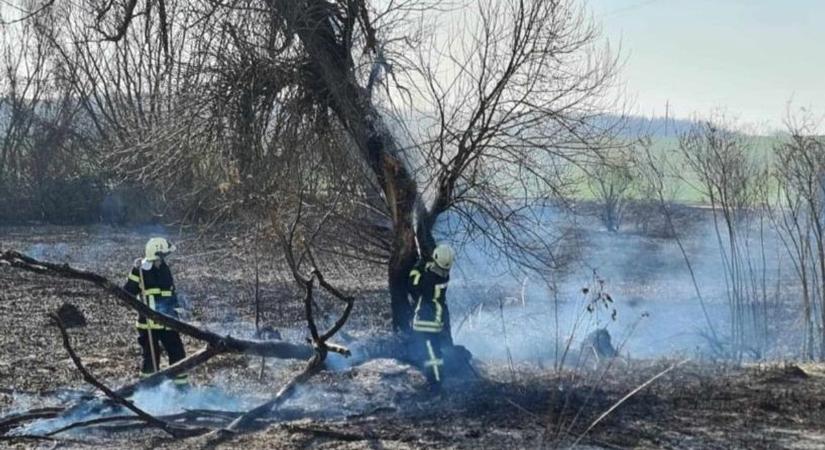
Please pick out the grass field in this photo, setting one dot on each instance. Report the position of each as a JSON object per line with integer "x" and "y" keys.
{"x": 682, "y": 182}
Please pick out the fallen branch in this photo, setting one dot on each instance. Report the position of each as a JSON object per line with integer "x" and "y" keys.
{"x": 243, "y": 422}
{"x": 192, "y": 415}
{"x": 173, "y": 431}
{"x": 11, "y": 421}
{"x": 272, "y": 349}
{"x": 288, "y": 389}
{"x": 155, "y": 379}
{"x": 216, "y": 344}
{"x": 182, "y": 366}
{"x": 625, "y": 398}
{"x": 210, "y": 413}
{"x": 96, "y": 421}
{"x": 34, "y": 437}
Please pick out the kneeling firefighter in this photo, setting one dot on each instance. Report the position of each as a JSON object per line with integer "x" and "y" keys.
{"x": 151, "y": 281}
{"x": 428, "y": 288}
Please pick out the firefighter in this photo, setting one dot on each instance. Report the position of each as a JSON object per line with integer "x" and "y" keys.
{"x": 151, "y": 281}
{"x": 428, "y": 288}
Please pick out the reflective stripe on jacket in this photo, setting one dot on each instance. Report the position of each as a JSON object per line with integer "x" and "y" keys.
{"x": 428, "y": 289}
{"x": 157, "y": 292}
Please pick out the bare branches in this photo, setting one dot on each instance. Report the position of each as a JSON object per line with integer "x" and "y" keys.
{"x": 313, "y": 366}
{"x": 219, "y": 343}
{"x": 89, "y": 378}
{"x": 799, "y": 215}
{"x": 216, "y": 345}
{"x": 611, "y": 184}
{"x": 318, "y": 340}
{"x": 733, "y": 181}
{"x": 29, "y": 15}
{"x": 125, "y": 21}
{"x": 350, "y": 302}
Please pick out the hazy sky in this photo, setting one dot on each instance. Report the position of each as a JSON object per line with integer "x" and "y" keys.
{"x": 748, "y": 56}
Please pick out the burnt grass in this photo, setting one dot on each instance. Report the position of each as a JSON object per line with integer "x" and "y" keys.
{"x": 696, "y": 405}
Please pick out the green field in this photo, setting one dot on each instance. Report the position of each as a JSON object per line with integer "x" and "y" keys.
{"x": 682, "y": 182}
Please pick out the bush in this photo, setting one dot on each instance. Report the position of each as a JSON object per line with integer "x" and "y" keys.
{"x": 70, "y": 201}
{"x": 73, "y": 201}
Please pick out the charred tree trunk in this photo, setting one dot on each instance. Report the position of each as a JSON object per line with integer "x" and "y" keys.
{"x": 332, "y": 61}
{"x": 402, "y": 259}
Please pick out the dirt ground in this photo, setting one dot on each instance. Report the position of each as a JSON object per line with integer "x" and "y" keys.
{"x": 378, "y": 404}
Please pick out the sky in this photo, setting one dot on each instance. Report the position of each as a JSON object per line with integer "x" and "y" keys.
{"x": 753, "y": 59}
{"x": 749, "y": 58}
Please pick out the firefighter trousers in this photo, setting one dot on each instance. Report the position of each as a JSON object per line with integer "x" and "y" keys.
{"x": 161, "y": 340}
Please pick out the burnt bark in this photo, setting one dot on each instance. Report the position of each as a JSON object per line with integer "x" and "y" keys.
{"x": 331, "y": 59}
{"x": 402, "y": 259}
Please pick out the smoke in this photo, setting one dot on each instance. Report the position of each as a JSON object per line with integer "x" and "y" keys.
{"x": 355, "y": 390}
{"x": 162, "y": 400}
{"x": 167, "y": 399}
{"x": 500, "y": 315}
{"x": 49, "y": 252}
{"x": 90, "y": 247}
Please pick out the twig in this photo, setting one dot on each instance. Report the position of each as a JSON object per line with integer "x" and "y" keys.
{"x": 506, "y": 342}
{"x": 522, "y": 409}
{"x": 625, "y": 398}
{"x": 281, "y": 396}
{"x": 350, "y": 301}
{"x": 27, "y": 14}
{"x": 604, "y": 372}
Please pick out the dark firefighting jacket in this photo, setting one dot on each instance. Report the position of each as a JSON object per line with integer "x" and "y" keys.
{"x": 156, "y": 288}
{"x": 429, "y": 291}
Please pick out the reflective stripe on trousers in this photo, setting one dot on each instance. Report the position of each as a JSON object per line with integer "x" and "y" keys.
{"x": 434, "y": 362}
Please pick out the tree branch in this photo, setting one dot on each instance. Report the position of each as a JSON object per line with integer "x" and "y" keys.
{"x": 151, "y": 420}
{"x": 273, "y": 349}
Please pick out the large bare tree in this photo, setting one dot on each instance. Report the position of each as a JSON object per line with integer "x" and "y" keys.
{"x": 468, "y": 112}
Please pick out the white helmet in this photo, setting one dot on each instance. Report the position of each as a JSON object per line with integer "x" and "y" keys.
{"x": 157, "y": 248}
{"x": 443, "y": 256}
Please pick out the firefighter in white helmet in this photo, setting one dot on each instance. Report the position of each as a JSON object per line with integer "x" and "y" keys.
{"x": 428, "y": 287}
{"x": 151, "y": 281}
